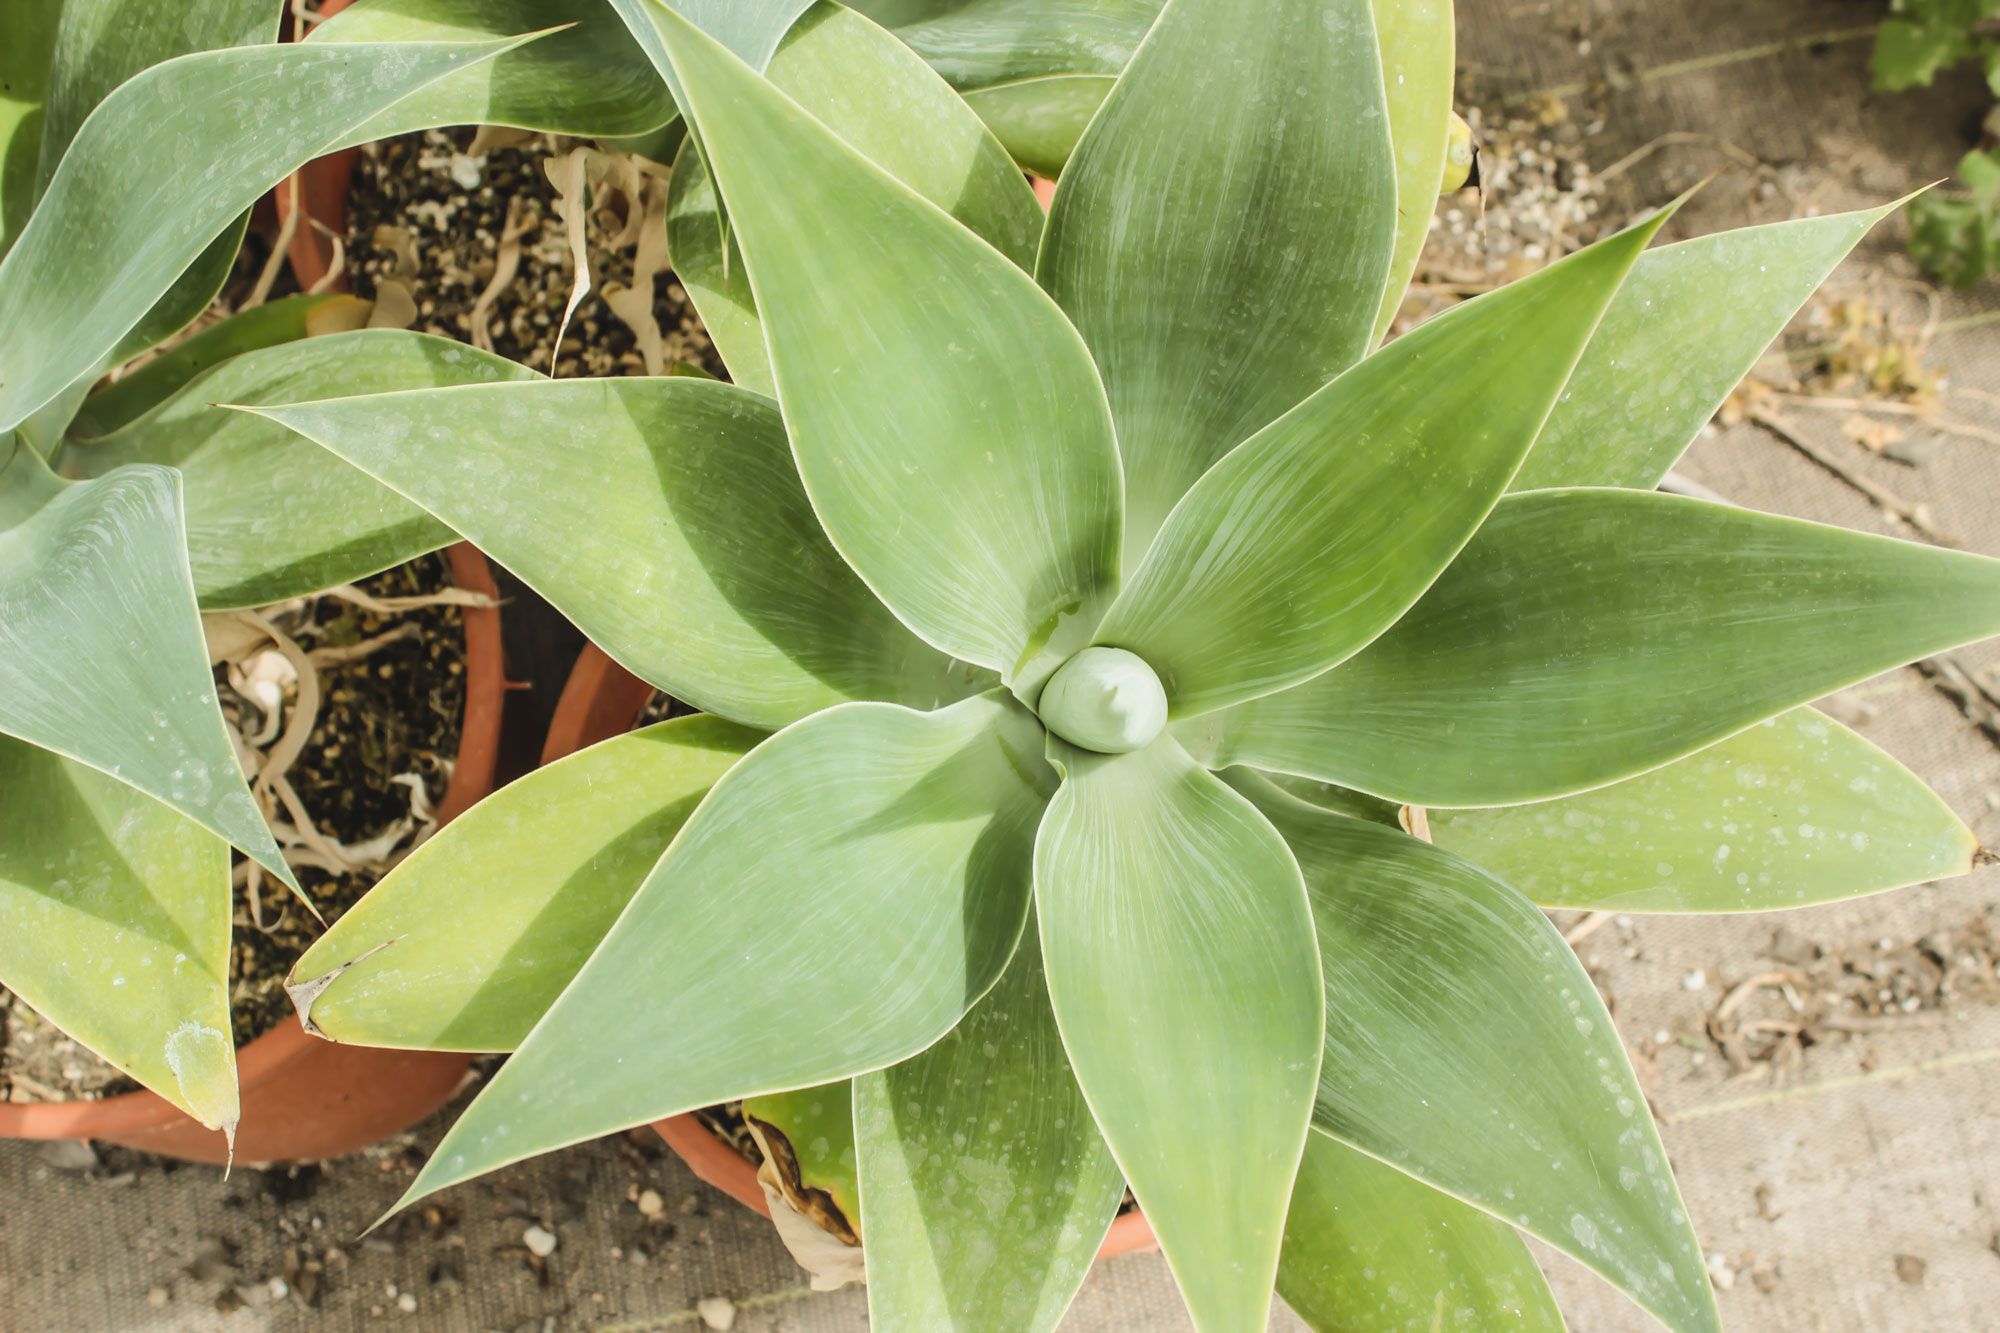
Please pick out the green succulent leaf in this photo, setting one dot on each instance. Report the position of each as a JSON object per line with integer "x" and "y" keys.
{"x": 116, "y": 926}
{"x": 465, "y": 944}
{"x": 27, "y": 46}
{"x": 1358, "y": 805}
{"x": 1418, "y": 43}
{"x": 1183, "y": 976}
{"x": 140, "y": 390}
{"x": 99, "y": 44}
{"x": 987, "y": 1186}
{"x": 1795, "y": 810}
{"x": 102, "y": 43}
{"x": 1313, "y": 536}
{"x": 618, "y": 499}
{"x": 159, "y": 170}
{"x": 922, "y": 375}
{"x": 1685, "y": 328}
{"x": 1202, "y": 336}
{"x": 722, "y": 980}
{"x": 101, "y": 653}
{"x": 1466, "y": 1046}
{"x": 1367, "y": 1247}
{"x": 869, "y": 89}
{"x": 750, "y": 29}
{"x": 1585, "y": 636}
{"x": 1039, "y": 120}
{"x": 590, "y": 78}
{"x": 980, "y": 43}
{"x": 269, "y": 516}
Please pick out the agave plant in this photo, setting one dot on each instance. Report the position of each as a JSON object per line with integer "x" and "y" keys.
{"x": 1072, "y": 624}
{"x": 134, "y": 140}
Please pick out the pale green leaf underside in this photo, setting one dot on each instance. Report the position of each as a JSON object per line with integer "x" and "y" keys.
{"x": 159, "y": 169}
{"x": 1795, "y": 810}
{"x": 1588, "y": 635}
{"x": 1314, "y": 535}
{"x": 269, "y": 514}
{"x": 114, "y": 925}
{"x": 923, "y": 376}
{"x": 1202, "y": 335}
{"x": 1688, "y": 324}
{"x": 464, "y": 945}
{"x": 722, "y": 980}
{"x": 101, "y": 653}
{"x": 987, "y": 1186}
{"x": 588, "y": 79}
{"x": 1182, "y": 972}
{"x": 1367, "y": 1247}
{"x": 869, "y": 89}
{"x": 1417, "y": 41}
{"x": 638, "y": 503}
{"x": 1466, "y": 1046}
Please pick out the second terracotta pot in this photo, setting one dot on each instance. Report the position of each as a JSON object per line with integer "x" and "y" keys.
{"x": 305, "y": 1099}
{"x": 600, "y": 700}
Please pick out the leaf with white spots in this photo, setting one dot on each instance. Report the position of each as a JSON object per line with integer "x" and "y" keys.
{"x": 1796, "y": 810}
{"x": 1466, "y": 1046}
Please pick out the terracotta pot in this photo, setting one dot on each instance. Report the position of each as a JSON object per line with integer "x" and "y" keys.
{"x": 305, "y": 1099}
{"x": 321, "y": 186}
{"x": 602, "y": 700}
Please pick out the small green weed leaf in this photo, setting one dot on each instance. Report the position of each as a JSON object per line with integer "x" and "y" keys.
{"x": 464, "y": 945}
{"x": 869, "y": 89}
{"x": 270, "y": 516}
{"x": 591, "y": 78}
{"x": 1182, "y": 972}
{"x": 987, "y": 1186}
{"x": 1466, "y": 1046}
{"x": 101, "y": 653}
{"x": 159, "y": 170}
{"x": 1795, "y": 810}
{"x": 1367, "y": 1247}
{"x": 1417, "y": 41}
{"x": 1202, "y": 335}
{"x": 723, "y": 980}
{"x": 624, "y": 501}
{"x": 923, "y": 376}
{"x": 1313, "y": 536}
{"x": 1585, "y": 636}
{"x": 116, "y": 915}
{"x": 1687, "y": 325}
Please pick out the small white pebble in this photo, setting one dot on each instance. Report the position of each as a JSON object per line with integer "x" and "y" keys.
{"x": 651, "y": 1204}
{"x": 540, "y": 1242}
{"x": 716, "y": 1311}
{"x": 1694, "y": 980}
{"x": 406, "y": 1303}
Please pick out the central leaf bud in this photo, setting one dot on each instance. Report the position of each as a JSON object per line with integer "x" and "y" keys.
{"x": 1104, "y": 699}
